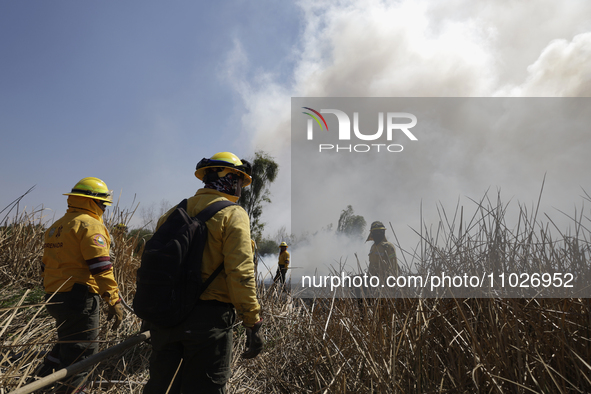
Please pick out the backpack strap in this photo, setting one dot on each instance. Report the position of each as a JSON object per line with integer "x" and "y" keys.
{"x": 183, "y": 204}
{"x": 211, "y": 278}
{"x": 204, "y": 216}
{"x": 211, "y": 209}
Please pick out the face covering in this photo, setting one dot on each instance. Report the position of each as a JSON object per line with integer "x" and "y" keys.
{"x": 227, "y": 184}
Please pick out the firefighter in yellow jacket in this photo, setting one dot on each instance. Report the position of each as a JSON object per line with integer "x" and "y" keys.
{"x": 77, "y": 273}
{"x": 204, "y": 340}
{"x": 382, "y": 255}
{"x": 282, "y": 264}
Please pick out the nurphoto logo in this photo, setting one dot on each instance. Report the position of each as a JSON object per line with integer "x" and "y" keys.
{"x": 395, "y": 122}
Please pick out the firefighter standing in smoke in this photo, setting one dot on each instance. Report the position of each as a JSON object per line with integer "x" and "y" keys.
{"x": 283, "y": 263}
{"x": 382, "y": 255}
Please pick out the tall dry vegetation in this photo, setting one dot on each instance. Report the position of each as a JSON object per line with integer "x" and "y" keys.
{"x": 443, "y": 345}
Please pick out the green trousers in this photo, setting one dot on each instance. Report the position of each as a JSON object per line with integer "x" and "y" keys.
{"x": 77, "y": 319}
{"x": 198, "y": 352}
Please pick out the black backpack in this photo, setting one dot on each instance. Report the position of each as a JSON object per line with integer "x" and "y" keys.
{"x": 169, "y": 279}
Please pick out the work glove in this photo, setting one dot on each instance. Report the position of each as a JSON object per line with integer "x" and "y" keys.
{"x": 117, "y": 312}
{"x": 254, "y": 341}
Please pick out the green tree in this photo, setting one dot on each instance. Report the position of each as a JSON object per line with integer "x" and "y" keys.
{"x": 350, "y": 224}
{"x": 267, "y": 246}
{"x": 264, "y": 172}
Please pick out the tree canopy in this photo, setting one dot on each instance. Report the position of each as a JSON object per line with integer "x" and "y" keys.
{"x": 264, "y": 172}
{"x": 350, "y": 224}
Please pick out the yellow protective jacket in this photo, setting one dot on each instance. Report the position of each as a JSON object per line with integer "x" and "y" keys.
{"x": 382, "y": 260}
{"x": 76, "y": 250}
{"x": 228, "y": 242}
{"x": 283, "y": 260}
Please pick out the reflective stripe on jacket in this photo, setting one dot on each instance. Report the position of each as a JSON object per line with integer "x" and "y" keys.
{"x": 228, "y": 242}
{"x": 76, "y": 250}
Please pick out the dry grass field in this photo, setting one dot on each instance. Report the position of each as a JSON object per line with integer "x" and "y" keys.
{"x": 406, "y": 345}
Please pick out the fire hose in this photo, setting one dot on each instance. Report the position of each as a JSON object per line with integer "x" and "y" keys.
{"x": 83, "y": 365}
{"x": 126, "y": 306}
{"x": 86, "y": 363}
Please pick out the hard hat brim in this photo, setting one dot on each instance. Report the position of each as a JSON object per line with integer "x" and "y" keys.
{"x": 108, "y": 202}
{"x": 200, "y": 174}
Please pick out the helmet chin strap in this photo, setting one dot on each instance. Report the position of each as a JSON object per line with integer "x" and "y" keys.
{"x": 236, "y": 184}
{"x": 237, "y": 188}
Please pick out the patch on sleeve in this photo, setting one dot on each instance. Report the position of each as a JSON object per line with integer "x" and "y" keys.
{"x": 99, "y": 240}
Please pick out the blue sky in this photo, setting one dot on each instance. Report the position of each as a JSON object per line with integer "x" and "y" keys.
{"x": 137, "y": 92}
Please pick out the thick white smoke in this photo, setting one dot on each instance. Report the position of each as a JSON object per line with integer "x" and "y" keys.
{"x": 427, "y": 48}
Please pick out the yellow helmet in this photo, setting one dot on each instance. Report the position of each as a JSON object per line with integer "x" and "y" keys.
{"x": 283, "y": 244}
{"x": 92, "y": 188}
{"x": 229, "y": 162}
{"x": 375, "y": 226}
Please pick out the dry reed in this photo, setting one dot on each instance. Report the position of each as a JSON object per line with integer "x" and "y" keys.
{"x": 405, "y": 345}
